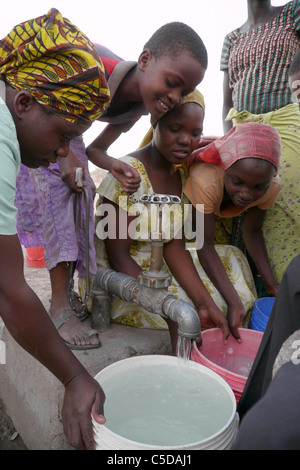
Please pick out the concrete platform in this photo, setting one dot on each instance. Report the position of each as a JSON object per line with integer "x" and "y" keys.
{"x": 33, "y": 397}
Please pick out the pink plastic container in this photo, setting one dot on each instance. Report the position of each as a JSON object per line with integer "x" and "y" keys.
{"x": 232, "y": 361}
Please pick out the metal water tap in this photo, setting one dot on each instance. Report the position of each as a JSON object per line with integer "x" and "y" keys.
{"x": 150, "y": 289}
{"x": 155, "y": 277}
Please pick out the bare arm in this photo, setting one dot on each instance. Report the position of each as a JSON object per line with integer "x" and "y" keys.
{"x": 117, "y": 248}
{"x": 182, "y": 267}
{"x": 180, "y": 264}
{"x": 227, "y": 103}
{"x": 30, "y": 325}
{"x": 215, "y": 270}
{"x": 97, "y": 154}
{"x": 97, "y": 150}
{"x": 255, "y": 244}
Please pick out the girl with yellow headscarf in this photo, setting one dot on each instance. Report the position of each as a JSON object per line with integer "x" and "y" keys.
{"x": 160, "y": 161}
{"x": 176, "y": 135}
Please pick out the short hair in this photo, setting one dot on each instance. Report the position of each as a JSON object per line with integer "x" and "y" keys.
{"x": 295, "y": 64}
{"x": 174, "y": 38}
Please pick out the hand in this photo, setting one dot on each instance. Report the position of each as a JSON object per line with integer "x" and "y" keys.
{"x": 196, "y": 156}
{"x": 272, "y": 290}
{"x": 235, "y": 317}
{"x": 83, "y": 397}
{"x": 68, "y": 167}
{"x": 127, "y": 175}
{"x": 212, "y": 317}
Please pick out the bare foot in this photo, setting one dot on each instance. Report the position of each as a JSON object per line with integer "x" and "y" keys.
{"x": 76, "y": 334}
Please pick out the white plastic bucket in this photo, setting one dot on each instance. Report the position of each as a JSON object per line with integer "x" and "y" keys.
{"x": 221, "y": 439}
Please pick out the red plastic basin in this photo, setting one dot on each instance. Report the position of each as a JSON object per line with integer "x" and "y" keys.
{"x": 233, "y": 360}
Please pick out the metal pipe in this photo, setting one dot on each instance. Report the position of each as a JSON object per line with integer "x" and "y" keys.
{"x": 156, "y": 300}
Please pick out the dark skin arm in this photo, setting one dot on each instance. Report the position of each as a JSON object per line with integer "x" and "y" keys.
{"x": 118, "y": 249}
{"x": 255, "y": 244}
{"x": 227, "y": 102}
{"x": 214, "y": 268}
{"x": 97, "y": 154}
{"x": 30, "y": 325}
{"x": 182, "y": 267}
{"x": 118, "y": 253}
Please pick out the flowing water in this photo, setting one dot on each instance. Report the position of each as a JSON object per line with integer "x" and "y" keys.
{"x": 184, "y": 348}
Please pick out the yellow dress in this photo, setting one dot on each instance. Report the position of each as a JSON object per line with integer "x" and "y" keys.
{"x": 131, "y": 314}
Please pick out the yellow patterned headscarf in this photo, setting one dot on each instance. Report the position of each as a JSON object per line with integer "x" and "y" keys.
{"x": 194, "y": 97}
{"x": 53, "y": 60}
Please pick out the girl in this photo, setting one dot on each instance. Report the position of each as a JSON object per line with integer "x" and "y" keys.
{"x": 176, "y": 135}
{"x": 255, "y": 60}
{"x": 241, "y": 177}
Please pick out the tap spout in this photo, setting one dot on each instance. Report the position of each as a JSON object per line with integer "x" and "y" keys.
{"x": 156, "y": 300}
{"x": 184, "y": 315}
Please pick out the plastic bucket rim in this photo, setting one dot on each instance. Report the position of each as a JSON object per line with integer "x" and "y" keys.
{"x": 216, "y": 365}
{"x": 195, "y": 365}
{"x": 258, "y": 321}
{"x": 211, "y": 438}
{"x": 263, "y": 300}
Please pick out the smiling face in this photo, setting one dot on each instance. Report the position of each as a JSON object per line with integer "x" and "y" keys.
{"x": 248, "y": 180}
{"x": 166, "y": 81}
{"x": 42, "y": 136}
{"x": 177, "y": 134}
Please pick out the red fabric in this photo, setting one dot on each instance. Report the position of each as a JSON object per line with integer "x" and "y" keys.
{"x": 248, "y": 140}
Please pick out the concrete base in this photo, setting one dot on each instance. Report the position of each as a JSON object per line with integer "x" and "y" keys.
{"x": 33, "y": 396}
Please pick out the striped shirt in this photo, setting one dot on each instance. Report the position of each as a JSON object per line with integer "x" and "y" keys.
{"x": 257, "y": 61}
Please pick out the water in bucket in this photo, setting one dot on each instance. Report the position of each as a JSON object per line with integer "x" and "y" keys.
{"x": 165, "y": 404}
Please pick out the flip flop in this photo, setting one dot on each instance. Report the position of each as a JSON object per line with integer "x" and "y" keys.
{"x": 58, "y": 322}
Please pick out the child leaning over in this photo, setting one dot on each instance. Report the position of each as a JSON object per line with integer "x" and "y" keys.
{"x": 235, "y": 174}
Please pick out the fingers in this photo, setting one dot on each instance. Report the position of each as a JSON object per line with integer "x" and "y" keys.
{"x": 87, "y": 435}
{"x": 98, "y": 407}
{"x": 225, "y": 331}
{"x": 131, "y": 185}
{"x": 87, "y": 432}
{"x": 130, "y": 188}
{"x": 82, "y": 436}
{"x": 235, "y": 333}
{"x": 198, "y": 342}
{"x": 84, "y": 398}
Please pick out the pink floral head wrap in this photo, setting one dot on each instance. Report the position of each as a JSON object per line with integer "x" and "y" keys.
{"x": 248, "y": 140}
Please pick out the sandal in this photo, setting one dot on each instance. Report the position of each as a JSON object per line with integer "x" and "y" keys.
{"x": 59, "y": 322}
